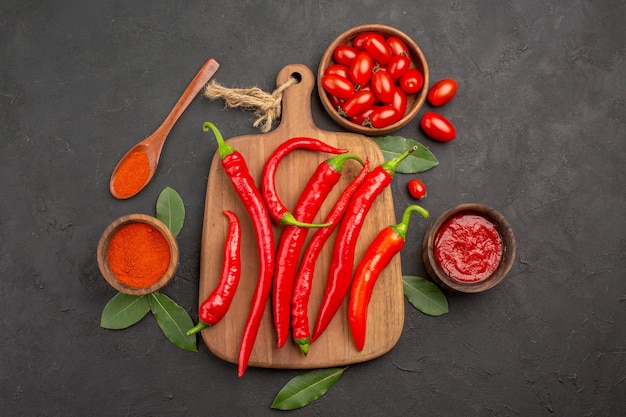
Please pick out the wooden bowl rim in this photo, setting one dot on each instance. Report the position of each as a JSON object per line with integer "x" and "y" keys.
{"x": 416, "y": 61}
{"x": 438, "y": 274}
{"x": 103, "y": 249}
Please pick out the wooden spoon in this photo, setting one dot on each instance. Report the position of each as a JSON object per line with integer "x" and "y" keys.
{"x": 153, "y": 144}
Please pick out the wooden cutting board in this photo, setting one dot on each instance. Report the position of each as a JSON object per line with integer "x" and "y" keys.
{"x": 335, "y": 346}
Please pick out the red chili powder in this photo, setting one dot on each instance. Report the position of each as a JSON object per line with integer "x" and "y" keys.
{"x": 132, "y": 174}
{"x": 468, "y": 247}
{"x": 138, "y": 255}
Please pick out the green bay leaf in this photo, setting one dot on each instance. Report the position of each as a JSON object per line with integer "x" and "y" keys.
{"x": 173, "y": 321}
{"x": 306, "y": 388}
{"x": 124, "y": 310}
{"x": 419, "y": 161}
{"x": 171, "y": 210}
{"x": 425, "y": 296}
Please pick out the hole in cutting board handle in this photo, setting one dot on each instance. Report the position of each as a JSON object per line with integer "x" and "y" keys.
{"x": 297, "y": 76}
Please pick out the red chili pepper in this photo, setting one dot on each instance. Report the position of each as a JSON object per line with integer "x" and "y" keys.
{"x": 342, "y": 262}
{"x": 325, "y": 177}
{"x": 383, "y": 248}
{"x": 237, "y": 171}
{"x": 302, "y": 286}
{"x": 213, "y": 309}
{"x": 277, "y": 209}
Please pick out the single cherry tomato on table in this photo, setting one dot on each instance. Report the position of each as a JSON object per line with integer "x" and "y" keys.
{"x": 337, "y": 86}
{"x": 357, "y": 104}
{"x": 397, "y": 45}
{"x": 442, "y": 92}
{"x": 383, "y": 86}
{"x": 437, "y": 127}
{"x": 412, "y": 81}
{"x": 361, "y": 68}
{"x": 344, "y": 54}
{"x": 417, "y": 189}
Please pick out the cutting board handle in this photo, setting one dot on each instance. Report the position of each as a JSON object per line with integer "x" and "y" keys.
{"x": 296, "y": 100}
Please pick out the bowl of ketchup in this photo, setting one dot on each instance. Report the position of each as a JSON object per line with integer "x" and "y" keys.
{"x": 469, "y": 248}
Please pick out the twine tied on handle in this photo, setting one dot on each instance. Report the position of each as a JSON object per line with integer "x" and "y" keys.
{"x": 266, "y": 106}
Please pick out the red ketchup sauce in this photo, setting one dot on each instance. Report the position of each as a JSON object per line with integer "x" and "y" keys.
{"x": 468, "y": 247}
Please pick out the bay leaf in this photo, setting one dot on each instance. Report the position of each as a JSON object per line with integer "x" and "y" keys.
{"x": 173, "y": 321}
{"x": 425, "y": 296}
{"x": 306, "y": 388}
{"x": 124, "y": 310}
{"x": 171, "y": 210}
{"x": 419, "y": 161}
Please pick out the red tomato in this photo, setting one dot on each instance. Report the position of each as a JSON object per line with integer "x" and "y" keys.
{"x": 378, "y": 49}
{"x": 398, "y": 66}
{"x": 383, "y": 116}
{"x": 361, "y": 68}
{"x": 442, "y": 92}
{"x": 363, "y": 118}
{"x": 344, "y": 54}
{"x": 412, "y": 81}
{"x": 417, "y": 189}
{"x": 358, "y": 103}
{"x": 383, "y": 85}
{"x": 399, "y": 100}
{"x": 337, "y": 86}
{"x": 336, "y": 102}
{"x": 359, "y": 40}
{"x": 337, "y": 69}
{"x": 398, "y": 47}
{"x": 437, "y": 127}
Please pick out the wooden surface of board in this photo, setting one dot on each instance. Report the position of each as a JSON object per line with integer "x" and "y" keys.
{"x": 335, "y": 346}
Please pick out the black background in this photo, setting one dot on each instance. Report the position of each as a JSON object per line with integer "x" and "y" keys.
{"x": 540, "y": 119}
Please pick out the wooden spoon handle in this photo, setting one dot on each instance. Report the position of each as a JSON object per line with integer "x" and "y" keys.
{"x": 205, "y": 73}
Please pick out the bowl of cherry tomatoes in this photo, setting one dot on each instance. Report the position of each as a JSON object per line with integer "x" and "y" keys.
{"x": 373, "y": 79}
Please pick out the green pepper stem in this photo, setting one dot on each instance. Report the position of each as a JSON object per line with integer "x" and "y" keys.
{"x": 337, "y": 162}
{"x": 197, "y": 328}
{"x": 402, "y": 227}
{"x": 222, "y": 146}
{"x": 290, "y": 220}
{"x": 391, "y": 165}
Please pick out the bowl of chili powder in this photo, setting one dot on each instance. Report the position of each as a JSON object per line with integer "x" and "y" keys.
{"x": 137, "y": 254}
{"x": 469, "y": 248}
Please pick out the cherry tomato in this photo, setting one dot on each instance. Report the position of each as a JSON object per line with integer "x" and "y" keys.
{"x": 337, "y": 86}
{"x": 417, "y": 189}
{"x": 363, "y": 118}
{"x": 358, "y": 103}
{"x": 399, "y": 100}
{"x": 336, "y": 102}
{"x": 383, "y": 85}
{"x": 398, "y": 66}
{"x": 437, "y": 127}
{"x": 383, "y": 116}
{"x": 398, "y": 47}
{"x": 337, "y": 69}
{"x": 344, "y": 54}
{"x": 359, "y": 40}
{"x": 412, "y": 81}
{"x": 361, "y": 68}
{"x": 442, "y": 92}
{"x": 378, "y": 49}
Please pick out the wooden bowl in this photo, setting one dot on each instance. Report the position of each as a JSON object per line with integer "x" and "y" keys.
{"x": 436, "y": 271}
{"x": 103, "y": 253}
{"x": 414, "y": 101}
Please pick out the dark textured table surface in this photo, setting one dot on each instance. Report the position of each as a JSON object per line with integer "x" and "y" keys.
{"x": 540, "y": 116}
